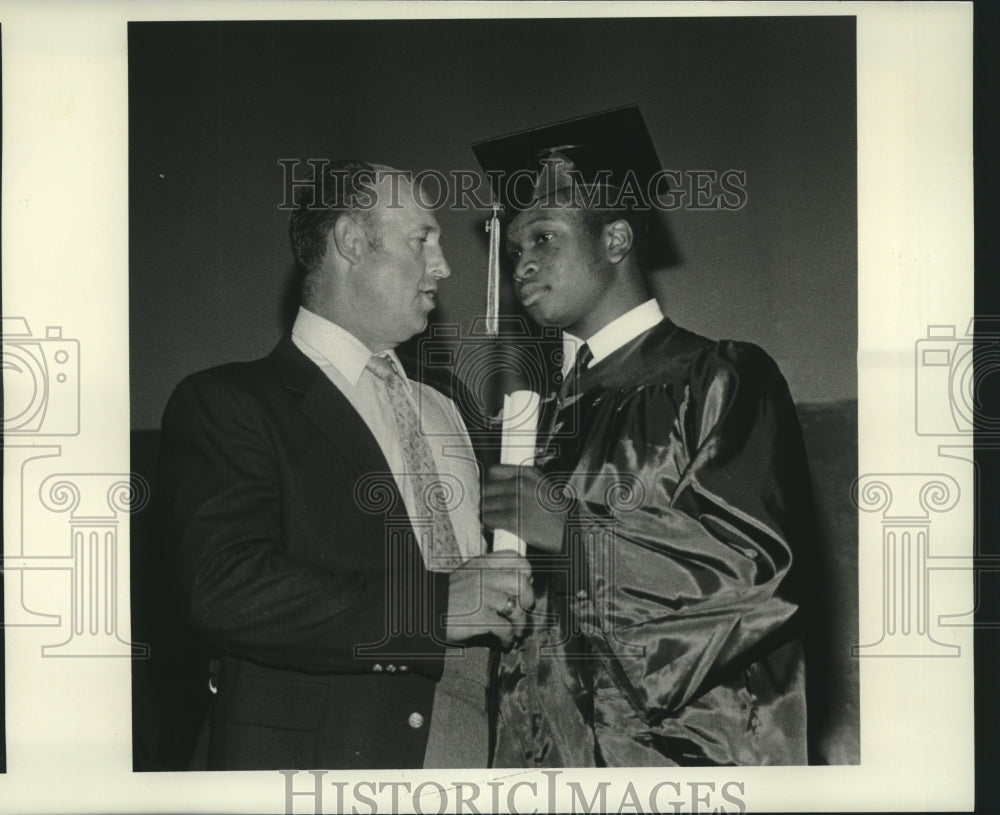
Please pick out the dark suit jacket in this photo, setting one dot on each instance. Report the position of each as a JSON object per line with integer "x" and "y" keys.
{"x": 294, "y": 575}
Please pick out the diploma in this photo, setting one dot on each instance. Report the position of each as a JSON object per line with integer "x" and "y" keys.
{"x": 517, "y": 446}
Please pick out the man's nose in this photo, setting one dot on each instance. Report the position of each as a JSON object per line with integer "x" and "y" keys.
{"x": 525, "y": 266}
{"x": 438, "y": 267}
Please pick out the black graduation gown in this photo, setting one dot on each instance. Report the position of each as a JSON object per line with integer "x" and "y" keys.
{"x": 668, "y": 633}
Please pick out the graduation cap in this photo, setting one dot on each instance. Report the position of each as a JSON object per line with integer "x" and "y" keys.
{"x": 604, "y": 160}
{"x": 608, "y": 157}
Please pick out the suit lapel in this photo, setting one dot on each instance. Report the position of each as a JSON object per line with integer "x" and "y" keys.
{"x": 332, "y": 412}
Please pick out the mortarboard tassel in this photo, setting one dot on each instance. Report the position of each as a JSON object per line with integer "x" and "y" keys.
{"x": 493, "y": 275}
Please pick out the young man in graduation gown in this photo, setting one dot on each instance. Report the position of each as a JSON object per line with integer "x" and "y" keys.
{"x": 669, "y": 515}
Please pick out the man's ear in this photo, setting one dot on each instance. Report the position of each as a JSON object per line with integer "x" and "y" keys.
{"x": 618, "y": 240}
{"x": 347, "y": 239}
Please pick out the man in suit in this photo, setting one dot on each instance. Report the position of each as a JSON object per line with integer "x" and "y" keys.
{"x": 671, "y": 574}
{"x": 325, "y": 511}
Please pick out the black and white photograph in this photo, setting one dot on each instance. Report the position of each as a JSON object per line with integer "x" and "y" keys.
{"x": 498, "y": 407}
{"x": 724, "y": 597}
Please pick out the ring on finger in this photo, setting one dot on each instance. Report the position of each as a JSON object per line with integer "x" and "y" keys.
{"x": 509, "y": 607}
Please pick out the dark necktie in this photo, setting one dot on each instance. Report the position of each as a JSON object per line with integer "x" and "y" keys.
{"x": 420, "y": 465}
{"x": 567, "y": 390}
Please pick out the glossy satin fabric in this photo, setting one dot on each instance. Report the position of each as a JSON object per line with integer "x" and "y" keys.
{"x": 668, "y": 632}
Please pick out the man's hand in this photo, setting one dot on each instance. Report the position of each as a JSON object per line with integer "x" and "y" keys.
{"x": 490, "y": 594}
{"x": 510, "y": 501}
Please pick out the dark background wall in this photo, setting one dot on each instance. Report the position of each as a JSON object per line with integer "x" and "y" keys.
{"x": 214, "y": 106}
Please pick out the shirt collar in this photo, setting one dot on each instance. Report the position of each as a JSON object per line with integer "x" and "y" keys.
{"x": 614, "y": 335}
{"x": 337, "y": 346}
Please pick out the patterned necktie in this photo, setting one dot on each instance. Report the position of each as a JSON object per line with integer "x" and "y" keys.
{"x": 420, "y": 465}
{"x": 567, "y": 390}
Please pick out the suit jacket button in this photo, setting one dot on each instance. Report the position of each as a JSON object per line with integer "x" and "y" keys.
{"x": 404, "y": 668}
{"x": 416, "y": 721}
{"x": 377, "y": 668}
{"x": 391, "y": 668}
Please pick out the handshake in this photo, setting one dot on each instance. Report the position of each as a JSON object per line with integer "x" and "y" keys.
{"x": 492, "y": 594}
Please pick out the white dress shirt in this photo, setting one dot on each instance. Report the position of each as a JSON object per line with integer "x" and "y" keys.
{"x": 614, "y": 335}
{"x": 343, "y": 358}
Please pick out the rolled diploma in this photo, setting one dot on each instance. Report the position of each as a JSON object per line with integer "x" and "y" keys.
{"x": 517, "y": 446}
